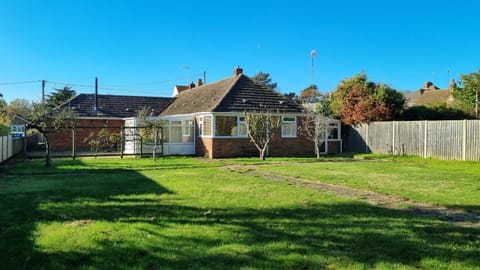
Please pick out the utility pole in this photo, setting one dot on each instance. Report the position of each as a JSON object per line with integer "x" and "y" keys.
{"x": 476, "y": 103}
{"x": 204, "y": 77}
{"x": 43, "y": 92}
{"x": 313, "y": 54}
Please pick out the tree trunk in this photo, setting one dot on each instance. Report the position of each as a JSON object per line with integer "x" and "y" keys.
{"x": 48, "y": 161}
{"x": 262, "y": 153}
{"x": 317, "y": 149}
{"x": 154, "y": 154}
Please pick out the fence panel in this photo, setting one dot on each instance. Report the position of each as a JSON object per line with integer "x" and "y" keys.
{"x": 472, "y": 146}
{"x": 445, "y": 140}
{"x": 355, "y": 138}
{"x": 450, "y": 140}
{"x": 380, "y": 136}
{"x": 409, "y": 138}
{"x": 9, "y": 147}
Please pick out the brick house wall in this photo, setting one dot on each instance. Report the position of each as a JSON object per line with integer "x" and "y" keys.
{"x": 61, "y": 140}
{"x": 243, "y": 147}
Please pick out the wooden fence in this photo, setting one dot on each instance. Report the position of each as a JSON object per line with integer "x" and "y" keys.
{"x": 450, "y": 140}
{"x": 9, "y": 147}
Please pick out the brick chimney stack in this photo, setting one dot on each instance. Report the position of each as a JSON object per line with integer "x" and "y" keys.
{"x": 237, "y": 71}
{"x": 199, "y": 82}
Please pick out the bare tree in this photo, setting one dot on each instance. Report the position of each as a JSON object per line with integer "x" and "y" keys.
{"x": 50, "y": 121}
{"x": 152, "y": 127}
{"x": 261, "y": 128}
{"x": 315, "y": 128}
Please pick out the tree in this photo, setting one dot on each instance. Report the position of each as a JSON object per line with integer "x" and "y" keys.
{"x": 357, "y": 100}
{"x": 293, "y": 96}
{"x": 315, "y": 128}
{"x": 152, "y": 127}
{"x": 467, "y": 95}
{"x": 261, "y": 127}
{"x": 21, "y": 106}
{"x": 310, "y": 94}
{"x": 103, "y": 140}
{"x": 47, "y": 121}
{"x": 264, "y": 79}
{"x": 60, "y": 96}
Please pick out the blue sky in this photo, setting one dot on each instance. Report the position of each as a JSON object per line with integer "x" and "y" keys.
{"x": 141, "y": 47}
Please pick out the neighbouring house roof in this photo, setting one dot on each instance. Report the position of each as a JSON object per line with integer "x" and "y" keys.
{"x": 428, "y": 97}
{"x": 428, "y": 94}
{"x": 235, "y": 94}
{"x": 114, "y": 106}
{"x": 179, "y": 88}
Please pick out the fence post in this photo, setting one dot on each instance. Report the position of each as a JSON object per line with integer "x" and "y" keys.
{"x": 1, "y": 149}
{"x": 393, "y": 137}
{"x": 425, "y": 139}
{"x": 366, "y": 139}
{"x": 464, "y": 141}
{"x": 24, "y": 145}
{"x": 74, "y": 147}
{"x": 122, "y": 141}
{"x": 9, "y": 145}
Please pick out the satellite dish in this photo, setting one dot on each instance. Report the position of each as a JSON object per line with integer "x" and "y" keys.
{"x": 313, "y": 53}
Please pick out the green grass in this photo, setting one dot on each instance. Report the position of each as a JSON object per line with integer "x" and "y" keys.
{"x": 141, "y": 214}
{"x": 453, "y": 184}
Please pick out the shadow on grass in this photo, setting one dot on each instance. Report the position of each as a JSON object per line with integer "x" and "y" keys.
{"x": 168, "y": 234}
{"x": 299, "y": 238}
{"x": 33, "y": 199}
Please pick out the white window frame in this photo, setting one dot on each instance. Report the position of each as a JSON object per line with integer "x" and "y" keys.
{"x": 201, "y": 125}
{"x": 239, "y": 122}
{"x": 289, "y": 122}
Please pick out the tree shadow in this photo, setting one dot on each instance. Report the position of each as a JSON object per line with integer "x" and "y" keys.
{"x": 35, "y": 198}
{"x": 169, "y": 234}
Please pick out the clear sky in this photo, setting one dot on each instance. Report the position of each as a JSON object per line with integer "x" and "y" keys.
{"x": 141, "y": 47}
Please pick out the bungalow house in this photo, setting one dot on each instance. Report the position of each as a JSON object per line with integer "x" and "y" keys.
{"x": 203, "y": 120}
{"x": 209, "y": 120}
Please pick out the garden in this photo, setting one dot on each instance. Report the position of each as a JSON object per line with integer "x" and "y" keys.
{"x": 282, "y": 213}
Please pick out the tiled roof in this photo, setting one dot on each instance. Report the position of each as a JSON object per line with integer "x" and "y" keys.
{"x": 114, "y": 106}
{"x": 234, "y": 94}
{"x": 424, "y": 97}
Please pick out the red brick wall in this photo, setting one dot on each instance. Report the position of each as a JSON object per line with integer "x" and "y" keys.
{"x": 203, "y": 146}
{"x": 61, "y": 140}
{"x": 242, "y": 147}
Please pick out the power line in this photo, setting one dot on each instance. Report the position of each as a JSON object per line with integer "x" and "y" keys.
{"x": 25, "y": 82}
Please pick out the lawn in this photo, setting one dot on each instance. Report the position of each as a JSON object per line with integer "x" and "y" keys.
{"x": 453, "y": 184}
{"x": 188, "y": 213}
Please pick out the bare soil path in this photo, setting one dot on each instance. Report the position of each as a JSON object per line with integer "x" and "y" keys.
{"x": 454, "y": 216}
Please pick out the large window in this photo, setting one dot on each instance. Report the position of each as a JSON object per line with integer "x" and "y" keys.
{"x": 230, "y": 126}
{"x": 289, "y": 126}
{"x": 175, "y": 131}
{"x": 226, "y": 126}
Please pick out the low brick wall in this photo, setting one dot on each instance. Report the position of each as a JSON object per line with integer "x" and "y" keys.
{"x": 61, "y": 140}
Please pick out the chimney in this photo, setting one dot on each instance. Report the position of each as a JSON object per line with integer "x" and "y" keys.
{"x": 191, "y": 86}
{"x": 199, "y": 82}
{"x": 95, "y": 97}
{"x": 237, "y": 71}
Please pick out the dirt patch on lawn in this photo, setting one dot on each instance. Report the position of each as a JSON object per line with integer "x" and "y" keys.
{"x": 454, "y": 216}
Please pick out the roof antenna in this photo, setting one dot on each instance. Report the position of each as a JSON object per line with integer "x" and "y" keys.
{"x": 187, "y": 68}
